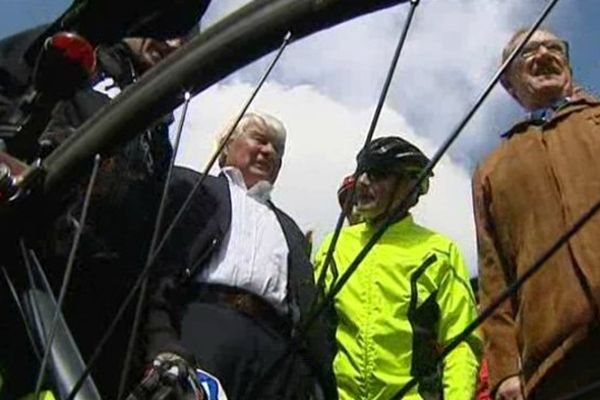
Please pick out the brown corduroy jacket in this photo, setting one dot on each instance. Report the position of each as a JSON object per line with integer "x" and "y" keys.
{"x": 527, "y": 193}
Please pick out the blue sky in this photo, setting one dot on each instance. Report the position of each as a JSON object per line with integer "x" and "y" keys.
{"x": 579, "y": 24}
{"x": 574, "y": 20}
{"x": 325, "y": 88}
{"x": 21, "y": 14}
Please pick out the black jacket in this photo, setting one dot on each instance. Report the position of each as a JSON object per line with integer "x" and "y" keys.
{"x": 119, "y": 225}
{"x": 200, "y": 233}
{"x": 129, "y": 174}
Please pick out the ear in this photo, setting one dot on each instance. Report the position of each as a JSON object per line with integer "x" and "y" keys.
{"x": 223, "y": 155}
{"x": 277, "y": 170}
{"x": 505, "y": 81}
{"x": 510, "y": 89}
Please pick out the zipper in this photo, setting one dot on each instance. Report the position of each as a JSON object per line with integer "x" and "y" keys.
{"x": 190, "y": 271}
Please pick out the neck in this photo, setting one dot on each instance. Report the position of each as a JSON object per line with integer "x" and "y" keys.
{"x": 549, "y": 101}
{"x": 380, "y": 220}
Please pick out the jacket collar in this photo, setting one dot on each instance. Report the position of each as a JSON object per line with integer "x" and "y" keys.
{"x": 557, "y": 111}
{"x": 398, "y": 226}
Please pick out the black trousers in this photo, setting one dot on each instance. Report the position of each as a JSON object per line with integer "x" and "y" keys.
{"x": 238, "y": 350}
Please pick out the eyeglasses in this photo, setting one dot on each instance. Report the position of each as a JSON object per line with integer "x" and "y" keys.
{"x": 557, "y": 47}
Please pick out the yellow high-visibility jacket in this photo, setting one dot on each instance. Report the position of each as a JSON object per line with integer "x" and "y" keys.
{"x": 409, "y": 297}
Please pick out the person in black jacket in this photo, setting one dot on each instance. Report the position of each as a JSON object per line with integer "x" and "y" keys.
{"x": 120, "y": 220}
{"x": 235, "y": 281}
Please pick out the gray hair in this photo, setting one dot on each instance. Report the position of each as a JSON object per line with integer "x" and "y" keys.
{"x": 262, "y": 120}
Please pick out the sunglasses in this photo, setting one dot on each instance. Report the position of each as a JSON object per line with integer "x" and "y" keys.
{"x": 379, "y": 173}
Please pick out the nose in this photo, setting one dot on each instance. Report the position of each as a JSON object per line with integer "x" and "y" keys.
{"x": 542, "y": 50}
{"x": 268, "y": 150}
{"x": 363, "y": 179}
{"x": 545, "y": 53}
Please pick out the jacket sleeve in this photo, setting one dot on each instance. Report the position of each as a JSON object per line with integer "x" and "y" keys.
{"x": 500, "y": 335}
{"x": 320, "y": 340}
{"x": 328, "y": 320}
{"x": 457, "y": 310}
{"x": 160, "y": 330}
{"x": 164, "y": 306}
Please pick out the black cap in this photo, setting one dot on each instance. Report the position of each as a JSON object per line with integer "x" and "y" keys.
{"x": 393, "y": 153}
{"x": 390, "y": 151}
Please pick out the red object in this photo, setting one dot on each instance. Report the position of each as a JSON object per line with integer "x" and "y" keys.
{"x": 76, "y": 49}
{"x": 17, "y": 167}
{"x": 345, "y": 189}
{"x": 483, "y": 384}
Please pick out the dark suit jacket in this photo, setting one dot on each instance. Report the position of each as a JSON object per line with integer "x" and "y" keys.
{"x": 200, "y": 232}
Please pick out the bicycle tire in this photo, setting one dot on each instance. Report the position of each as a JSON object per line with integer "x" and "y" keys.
{"x": 234, "y": 42}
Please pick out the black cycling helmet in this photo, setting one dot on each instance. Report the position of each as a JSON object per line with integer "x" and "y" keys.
{"x": 392, "y": 154}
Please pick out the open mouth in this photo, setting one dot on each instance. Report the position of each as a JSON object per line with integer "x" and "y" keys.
{"x": 264, "y": 166}
{"x": 363, "y": 197}
{"x": 545, "y": 69}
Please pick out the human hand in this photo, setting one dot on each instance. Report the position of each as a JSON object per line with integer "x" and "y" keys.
{"x": 510, "y": 389}
{"x": 171, "y": 364}
{"x": 178, "y": 374}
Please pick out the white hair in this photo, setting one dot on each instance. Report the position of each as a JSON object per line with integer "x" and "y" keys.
{"x": 255, "y": 119}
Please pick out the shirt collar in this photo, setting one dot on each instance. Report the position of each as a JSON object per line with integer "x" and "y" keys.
{"x": 261, "y": 191}
{"x": 545, "y": 114}
{"x": 541, "y": 115}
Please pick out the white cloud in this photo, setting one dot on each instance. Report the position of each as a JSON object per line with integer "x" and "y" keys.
{"x": 325, "y": 89}
{"x": 324, "y": 136}
{"x": 451, "y": 53}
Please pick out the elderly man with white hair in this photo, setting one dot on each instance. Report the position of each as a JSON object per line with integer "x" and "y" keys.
{"x": 235, "y": 279}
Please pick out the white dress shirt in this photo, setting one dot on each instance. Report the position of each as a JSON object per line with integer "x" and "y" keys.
{"x": 254, "y": 253}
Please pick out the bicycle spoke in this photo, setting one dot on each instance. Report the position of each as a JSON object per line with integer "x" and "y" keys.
{"x": 146, "y": 270}
{"x": 368, "y": 138}
{"x": 61, "y": 161}
{"x": 292, "y": 347}
{"x": 435, "y": 159}
{"x": 66, "y": 277}
{"x": 40, "y": 272}
{"x": 26, "y": 262}
{"x": 28, "y": 331}
{"x": 243, "y": 37}
{"x": 157, "y": 223}
{"x": 220, "y": 148}
{"x": 401, "y": 208}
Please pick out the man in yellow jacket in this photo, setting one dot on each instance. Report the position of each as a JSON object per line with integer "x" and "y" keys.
{"x": 409, "y": 297}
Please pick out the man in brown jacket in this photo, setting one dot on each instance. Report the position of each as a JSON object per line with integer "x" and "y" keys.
{"x": 544, "y": 343}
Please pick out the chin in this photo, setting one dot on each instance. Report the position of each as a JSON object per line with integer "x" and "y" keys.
{"x": 546, "y": 94}
{"x": 262, "y": 174}
{"x": 367, "y": 212}
{"x": 364, "y": 208}
{"x": 550, "y": 85}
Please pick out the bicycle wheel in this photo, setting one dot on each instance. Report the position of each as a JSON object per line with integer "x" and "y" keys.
{"x": 243, "y": 37}
{"x": 236, "y": 41}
